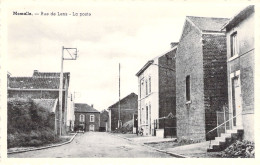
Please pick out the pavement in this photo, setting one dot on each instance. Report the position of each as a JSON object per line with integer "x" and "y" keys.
{"x": 95, "y": 145}
{"x": 26, "y": 149}
{"x": 184, "y": 151}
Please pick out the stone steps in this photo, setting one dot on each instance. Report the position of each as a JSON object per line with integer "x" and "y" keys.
{"x": 222, "y": 142}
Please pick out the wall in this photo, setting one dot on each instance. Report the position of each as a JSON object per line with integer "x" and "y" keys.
{"x": 245, "y": 63}
{"x": 167, "y": 87}
{"x": 128, "y": 107}
{"x": 189, "y": 61}
{"x": 96, "y": 122}
{"x": 215, "y": 78}
{"x": 152, "y": 98}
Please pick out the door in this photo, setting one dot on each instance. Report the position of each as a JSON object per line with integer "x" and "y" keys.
{"x": 236, "y": 102}
{"x": 91, "y": 127}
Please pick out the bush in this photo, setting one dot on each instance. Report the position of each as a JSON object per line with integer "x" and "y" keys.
{"x": 244, "y": 149}
{"x": 28, "y": 124}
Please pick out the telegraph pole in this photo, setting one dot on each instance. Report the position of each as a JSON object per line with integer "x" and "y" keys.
{"x": 60, "y": 90}
{"x": 119, "y": 120}
{"x": 61, "y": 81}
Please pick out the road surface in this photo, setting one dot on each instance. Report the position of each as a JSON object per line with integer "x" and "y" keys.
{"x": 95, "y": 145}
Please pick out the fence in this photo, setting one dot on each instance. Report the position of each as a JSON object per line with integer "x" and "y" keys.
{"x": 167, "y": 124}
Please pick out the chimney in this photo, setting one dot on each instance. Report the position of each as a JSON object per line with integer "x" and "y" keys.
{"x": 173, "y": 44}
{"x": 92, "y": 105}
{"x": 35, "y": 71}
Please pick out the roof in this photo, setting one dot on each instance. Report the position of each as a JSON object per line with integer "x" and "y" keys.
{"x": 49, "y": 104}
{"x": 36, "y": 73}
{"x": 49, "y": 74}
{"x": 150, "y": 62}
{"x": 128, "y": 96}
{"x": 34, "y": 83}
{"x": 239, "y": 17}
{"x": 144, "y": 67}
{"x": 80, "y": 107}
{"x": 208, "y": 24}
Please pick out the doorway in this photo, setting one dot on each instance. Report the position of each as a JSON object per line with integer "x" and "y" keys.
{"x": 91, "y": 127}
{"x": 236, "y": 102}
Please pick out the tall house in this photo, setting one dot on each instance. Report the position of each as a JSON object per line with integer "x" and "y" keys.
{"x": 156, "y": 87}
{"x": 241, "y": 70}
{"x": 201, "y": 71}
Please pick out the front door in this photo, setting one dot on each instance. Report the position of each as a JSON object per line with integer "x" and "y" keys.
{"x": 91, "y": 127}
{"x": 236, "y": 102}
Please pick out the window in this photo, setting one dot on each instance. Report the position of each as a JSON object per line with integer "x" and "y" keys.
{"x": 81, "y": 118}
{"x": 188, "y": 88}
{"x": 92, "y": 118}
{"x": 150, "y": 85}
{"x": 147, "y": 114}
{"x": 146, "y": 87}
{"x": 233, "y": 44}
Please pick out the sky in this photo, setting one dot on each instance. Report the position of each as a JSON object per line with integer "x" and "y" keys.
{"x": 129, "y": 33}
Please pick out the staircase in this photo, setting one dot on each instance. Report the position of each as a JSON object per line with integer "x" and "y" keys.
{"x": 222, "y": 142}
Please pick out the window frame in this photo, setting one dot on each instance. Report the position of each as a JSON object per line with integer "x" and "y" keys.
{"x": 90, "y": 116}
{"x": 233, "y": 44}
{"x": 81, "y": 119}
{"x": 150, "y": 84}
{"x": 188, "y": 88}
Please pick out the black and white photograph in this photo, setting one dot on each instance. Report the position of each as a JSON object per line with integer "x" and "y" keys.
{"x": 128, "y": 79}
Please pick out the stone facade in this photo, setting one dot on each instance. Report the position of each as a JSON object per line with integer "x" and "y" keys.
{"x": 201, "y": 85}
{"x": 242, "y": 68}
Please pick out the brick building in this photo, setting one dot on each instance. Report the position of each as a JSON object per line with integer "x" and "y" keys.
{"x": 201, "y": 71}
{"x": 128, "y": 107}
{"x": 156, "y": 86}
{"x": 87, "y": 118}
{"x": 241, "y": 69}
{"x": 43, "y": 85}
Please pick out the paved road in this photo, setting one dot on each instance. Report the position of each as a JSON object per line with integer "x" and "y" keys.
{"x": 95, "y": 144}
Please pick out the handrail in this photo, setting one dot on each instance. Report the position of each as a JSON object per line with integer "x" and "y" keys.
{"x": 223, "y": 123}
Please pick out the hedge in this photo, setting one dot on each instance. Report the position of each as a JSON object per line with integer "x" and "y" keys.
{"x": 28, "y": 124}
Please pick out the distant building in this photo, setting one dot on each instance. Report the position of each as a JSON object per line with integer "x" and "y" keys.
{"x": 201, "y": 71}
{"x": 104, "y": 118}
{"x": 42, "y": 85}
{"x": 156, "y": 98}
{"x": 241, "y": 69}
{"x": 128, "y": 108}
{"x": 87, "y": 118}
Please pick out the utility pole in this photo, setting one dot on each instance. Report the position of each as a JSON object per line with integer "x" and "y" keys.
{"x": 60, "y": 90}
{"x": 119, "y": 120}
{"x": 61, "y": 80}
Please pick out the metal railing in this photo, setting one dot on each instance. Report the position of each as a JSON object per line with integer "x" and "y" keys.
{"x": 223, "y": 124}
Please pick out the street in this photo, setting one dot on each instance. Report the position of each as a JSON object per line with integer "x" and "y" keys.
{"x": 95, "y": 144}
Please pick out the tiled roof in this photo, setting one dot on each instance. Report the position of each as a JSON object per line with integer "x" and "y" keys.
{"x": 208, "y": 23}
{"x": 49, "y": 104}
{"x": 50, "y": 74}
{"x": 34, "y": 83}
{"x": 85, "y": 108}
{"x": 66, "y": 75}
